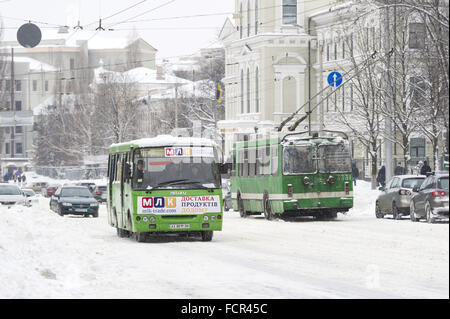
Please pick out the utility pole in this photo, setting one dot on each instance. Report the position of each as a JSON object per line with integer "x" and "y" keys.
{"x": 176, "y": 109}
{"x": 388, "y": 122}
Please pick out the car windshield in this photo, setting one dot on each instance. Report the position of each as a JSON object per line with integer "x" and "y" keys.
{"x": 335, "y": 158}
{"x": 75, "y": 192}
{"x": 412, "y": 182}
{"x": 102, "y": 188}
{"x": 9, "y": 190}
{"x": 298, "y": 159}
{"x": 176, "y": 168}
{"x": 29, "y": 192}
{"x": 443, "y": 183}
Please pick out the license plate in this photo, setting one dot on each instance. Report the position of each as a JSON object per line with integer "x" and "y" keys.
{"x": 179, "y": 226}
{"x": 81, "y": 210}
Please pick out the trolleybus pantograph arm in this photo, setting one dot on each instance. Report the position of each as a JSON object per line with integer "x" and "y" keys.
{"x": 294, "y": 126}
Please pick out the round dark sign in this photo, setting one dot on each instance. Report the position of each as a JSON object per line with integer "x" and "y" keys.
{"x": 29, "y": 35}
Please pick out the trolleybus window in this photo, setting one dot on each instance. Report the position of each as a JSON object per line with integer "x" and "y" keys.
{"x": 154, "y": 169}
{"x": 298, "y": 159}
{"x": 335, "y": 158}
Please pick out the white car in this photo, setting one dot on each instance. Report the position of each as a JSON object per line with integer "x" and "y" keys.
{"x": 11, "y": 195}
{"x": 31, "y": 197}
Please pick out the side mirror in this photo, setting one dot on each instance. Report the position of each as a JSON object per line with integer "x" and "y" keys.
{"x": 416, "y": 189}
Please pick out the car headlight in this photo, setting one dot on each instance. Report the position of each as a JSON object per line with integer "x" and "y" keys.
{"x": 66, "y": 204}
{"x": 94, "y": 205}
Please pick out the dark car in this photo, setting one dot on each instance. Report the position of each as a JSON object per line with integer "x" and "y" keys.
{"x": 74, "y": 200}
{"x": 431, "y": 200}
{"x": 99, "y": 193}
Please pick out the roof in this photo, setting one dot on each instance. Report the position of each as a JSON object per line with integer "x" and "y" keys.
{"x": 35, "y": 65}
{"x": 167, "y": 140}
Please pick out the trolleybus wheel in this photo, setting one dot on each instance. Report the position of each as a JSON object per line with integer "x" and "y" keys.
{"x": 267, "y": 211}
{"x": 242, "y": 212}
{"x": 207, "y": 235}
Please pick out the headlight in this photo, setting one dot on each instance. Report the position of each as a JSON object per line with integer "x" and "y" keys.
{"x": 66, "y": 204}
{"x": 94, "y": 205}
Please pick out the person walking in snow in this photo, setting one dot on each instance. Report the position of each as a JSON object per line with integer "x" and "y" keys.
{"x": 425, "y": 168}
{"x": 381, "y": 178}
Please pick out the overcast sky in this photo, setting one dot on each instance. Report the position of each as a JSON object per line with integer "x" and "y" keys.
{"x": 172, "y": 37}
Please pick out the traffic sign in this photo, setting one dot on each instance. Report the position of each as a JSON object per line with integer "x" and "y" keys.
{"x": 29, "y": 35}
{"x": 335, "y": 79}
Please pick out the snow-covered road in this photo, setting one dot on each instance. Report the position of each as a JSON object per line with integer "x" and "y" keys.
{"x": 43, "y": 255}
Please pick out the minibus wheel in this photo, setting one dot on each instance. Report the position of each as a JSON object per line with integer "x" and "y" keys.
{"x": 207, "y": 235}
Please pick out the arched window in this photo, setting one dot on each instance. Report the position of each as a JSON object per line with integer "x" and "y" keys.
{"x": 248, "y": 90}
{"x": 257, "y": 90}
{"x": 256, "y": 17}
{"x": 289, "y": 11}
{"x": 242, "y": 91}
{"x": 289, "y": 94}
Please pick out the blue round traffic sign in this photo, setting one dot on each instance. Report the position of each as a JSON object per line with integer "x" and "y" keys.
{"x": 335, "y": 79}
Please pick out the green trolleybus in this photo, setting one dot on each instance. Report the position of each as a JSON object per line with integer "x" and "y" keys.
{"x": 294, "y": 175}
{"x": 164, "y": 185}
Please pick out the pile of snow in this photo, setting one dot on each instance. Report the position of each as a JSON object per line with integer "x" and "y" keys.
{"x": 43, "y": 255}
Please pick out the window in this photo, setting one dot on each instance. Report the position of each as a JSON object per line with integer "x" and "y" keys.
{"x": 35, "y": 85}
{"x": 417, "y": 35}
{"x": 8, "y": 85}
{"x": 72, "y": 63}
{"x": 351, "y": 97}
{"x": 328, "y": 52}
{"x": 257, "y": 90}
{"x": 248, "y": 18}
{"x": 46, "y": 85}
{"x": 19, "y": 129}
{"x": 289, "y": 11}
{"x": 18, "y": 84}
{"x": 256, "y": 17}
{"x": 335, "y": 50}
{"x": 248, "y": 90}
{"x": 241, "y": 13}
{"x": 19, "y": 149}
{"x": 298, "y": 159}
{"x": 274, "y": 149}
{"x": 7, "y": 148}
{"x": 417, "y": 147}
{"x": 18, "y": 105}
{"x": 252, "y": 152}
{"x": 242, "y": 91}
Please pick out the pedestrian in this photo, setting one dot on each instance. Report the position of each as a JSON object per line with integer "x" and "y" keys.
{"x": 24, "y": 178}
{"x": 355, "y": 173}
{"x": 6, "y": 177}
{"x": 425, "y": 168}
{"x": 399, "y": 169}
{"x": 381, "y": 178}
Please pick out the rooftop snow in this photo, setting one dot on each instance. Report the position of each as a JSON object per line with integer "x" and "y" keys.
{"x": 169, "y": 140}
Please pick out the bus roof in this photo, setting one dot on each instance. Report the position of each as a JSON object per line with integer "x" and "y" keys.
{"x": 163, "y": 140}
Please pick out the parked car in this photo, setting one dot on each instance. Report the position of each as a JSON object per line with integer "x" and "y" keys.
{"x": 31, "y": 197}
{"x": 37, "y": 186}
{"x": 100, "y": 193}
{"x": 50, "y": 190}
{"x": 431, "y": 200}
{"x": 11, "y": 195}
{"x": 226, "y": 195}
{"x": 74, "y": 200}
{"x": 396, "y": 196}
